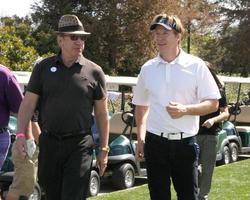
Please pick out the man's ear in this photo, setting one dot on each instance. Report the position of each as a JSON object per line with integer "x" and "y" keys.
{"x": 178, "y": 38}
{"x": 59, "y": 40}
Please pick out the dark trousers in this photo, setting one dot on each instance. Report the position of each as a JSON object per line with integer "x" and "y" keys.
{"x": 64, "y": 166}
{"x": 4, "y": 145}
{"x": 174, "y": 160}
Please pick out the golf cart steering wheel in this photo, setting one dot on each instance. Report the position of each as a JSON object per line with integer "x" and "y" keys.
{"x": 235, "y": 110}
{"x": 128, "y": 118}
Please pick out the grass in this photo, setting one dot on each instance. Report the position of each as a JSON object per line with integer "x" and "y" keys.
{"x": 230, "y": 182}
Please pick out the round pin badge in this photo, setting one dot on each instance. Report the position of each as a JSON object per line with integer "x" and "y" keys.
{"x": 53, "y": 69}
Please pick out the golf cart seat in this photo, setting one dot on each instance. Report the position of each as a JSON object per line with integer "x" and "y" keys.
{"x": 244, "y": 115}
{"x": 117, "y": 126}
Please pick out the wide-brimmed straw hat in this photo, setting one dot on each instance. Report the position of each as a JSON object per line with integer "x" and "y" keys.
{"x": 70, "y": 24}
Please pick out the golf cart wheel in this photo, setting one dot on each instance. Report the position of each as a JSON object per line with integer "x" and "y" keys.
{"x": 234, "y": 150}
{"x": 37, "y": 194}
{"x": 226, "y": 155}
{"x": 94, "y": 184}
{"x": 123, "y": 176}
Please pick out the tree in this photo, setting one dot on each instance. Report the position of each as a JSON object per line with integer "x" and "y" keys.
{"x": 235, "y": 31}
{"x": 16, "y": 44}
{"x": 208, "y": 47}
{"x": 120, "y": 41}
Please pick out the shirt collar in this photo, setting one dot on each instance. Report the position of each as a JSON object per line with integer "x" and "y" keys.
{"x": 180, "y": 60}
{"x": 81, "y": 59}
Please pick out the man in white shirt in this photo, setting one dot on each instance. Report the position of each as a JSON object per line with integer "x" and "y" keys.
{"x": 172, "y": 91}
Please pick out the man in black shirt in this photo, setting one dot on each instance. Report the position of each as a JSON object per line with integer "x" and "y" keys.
{"x": 69, "y": 87}
{"x": 207, "y": 140}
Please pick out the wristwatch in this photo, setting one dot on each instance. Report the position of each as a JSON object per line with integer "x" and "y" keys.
{"x": 104, "y": 148}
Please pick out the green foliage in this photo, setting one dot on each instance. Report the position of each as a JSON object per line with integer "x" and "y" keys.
{"x": 121, "y": 41}
{"x": 235, "y": 32}
{"x": 45, "y": 41}
{"x": 14, "y": 52}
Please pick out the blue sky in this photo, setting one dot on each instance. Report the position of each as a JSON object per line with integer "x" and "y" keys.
{"x": 12, "y": 7}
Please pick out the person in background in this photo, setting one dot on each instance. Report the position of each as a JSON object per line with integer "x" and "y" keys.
{"x": 25, "y": 173}
{"x": 210, "y": 125}
{"x": 25, "y": 169}
{"x": 10, "y": 100}
{"x": 68, "y": 87}
{"x": 172, "y": 91}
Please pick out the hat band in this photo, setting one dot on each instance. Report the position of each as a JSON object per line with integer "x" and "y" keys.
{"x": 70, "y": 28}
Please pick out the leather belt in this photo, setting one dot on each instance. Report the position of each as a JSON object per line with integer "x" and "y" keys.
{"x": 172, "y": 136}
{"x": 64, "y": 136}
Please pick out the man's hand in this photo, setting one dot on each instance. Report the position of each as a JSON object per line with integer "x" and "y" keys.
{"x": 208, "y": 123}
{"x": 31, "y": 147}
{"x": 102, "y": 161}
{"x": 21, "y": 147}
{"x": 176, "y": 110}
{"x": 140, "y": 150}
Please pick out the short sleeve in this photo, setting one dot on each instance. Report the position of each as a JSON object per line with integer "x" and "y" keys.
{"x": 13, "y": 94}
{"x": 207, "y": 87}
{"x": 100, "y": 91}
{"x": 140, "y": 93}
{"x": 35, "y": 82}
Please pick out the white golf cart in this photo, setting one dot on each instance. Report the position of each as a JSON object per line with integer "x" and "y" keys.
{"x": 235, "y": 136}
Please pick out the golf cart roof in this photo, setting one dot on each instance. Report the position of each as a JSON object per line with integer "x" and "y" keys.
{"x": 230, "y": 79}
{"x": 113, "y": 82}
{"x": 121, "y": 80}
{"x": 22, "y": 78}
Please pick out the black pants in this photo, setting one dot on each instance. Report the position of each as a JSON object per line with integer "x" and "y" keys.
{"x": 172, "y": 159}
{"x": 64, "y": 166}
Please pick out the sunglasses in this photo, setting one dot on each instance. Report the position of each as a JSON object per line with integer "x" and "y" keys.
{"x": 76, "y": 37}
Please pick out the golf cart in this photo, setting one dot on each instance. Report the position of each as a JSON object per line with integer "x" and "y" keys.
{"x": 234, "y": 138}
{"x": 122, "y": 165}
{"x": 229, "y": 144}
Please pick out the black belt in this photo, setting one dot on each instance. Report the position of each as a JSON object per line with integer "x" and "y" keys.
{"x": 4, "y": 129}
{"x": 64, "y": 136}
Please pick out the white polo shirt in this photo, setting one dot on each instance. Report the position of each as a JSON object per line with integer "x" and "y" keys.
{"x": 185, "y": 80}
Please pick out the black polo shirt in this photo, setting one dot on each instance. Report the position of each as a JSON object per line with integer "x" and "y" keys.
{"x": 217, "y": 126}
{"x": 67, "y": 95}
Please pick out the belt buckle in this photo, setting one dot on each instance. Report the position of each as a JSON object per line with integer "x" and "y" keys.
{"x": 174, "y": 136}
